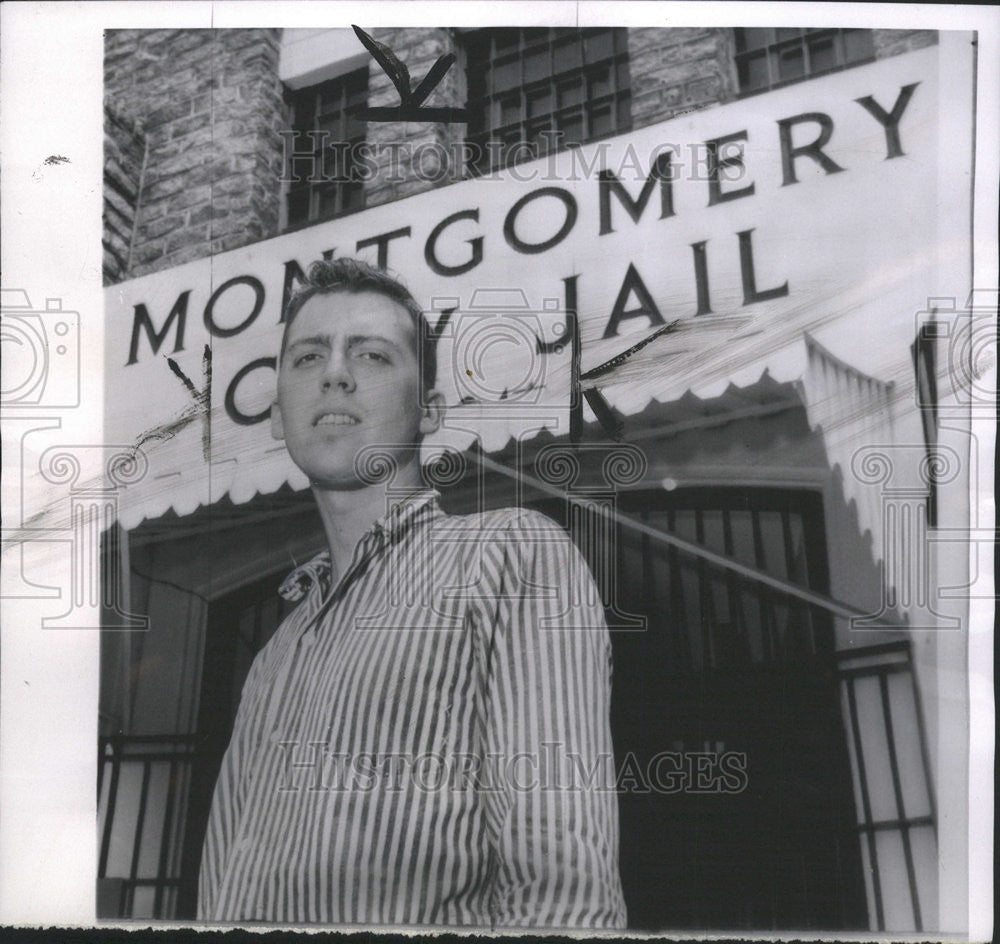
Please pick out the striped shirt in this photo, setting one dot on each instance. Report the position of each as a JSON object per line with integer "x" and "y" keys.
{"x": 401, "y": 750}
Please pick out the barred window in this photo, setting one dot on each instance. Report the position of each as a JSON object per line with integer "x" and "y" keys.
{"x": 322, "y": 151}
{"x": 768, "y": 57}
{"x": 535, "y": 90}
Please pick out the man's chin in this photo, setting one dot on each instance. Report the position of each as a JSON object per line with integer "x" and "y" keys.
{"x": 367, "y": 468}
{"x": 337, "y": 484}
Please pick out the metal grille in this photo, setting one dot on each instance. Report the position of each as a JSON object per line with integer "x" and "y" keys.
{"x": 768, "y": 57}
{"x": 727, "y": 665}
{"x": 154, "y": 790}
{"x": 707, "y": 619}
{"x": 142, "y": 786}
{"x": 324, "y": 150}
{"x": 892, "y": 783}
{"x": 536, "y": 90}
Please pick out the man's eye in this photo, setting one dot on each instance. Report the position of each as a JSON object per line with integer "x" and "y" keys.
{"x": 376, "y": 356}
{"x": 307, "y": 358}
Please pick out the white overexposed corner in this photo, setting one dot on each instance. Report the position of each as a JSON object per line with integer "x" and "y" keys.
{"x": 982, "y": 611}
{"x": 960, "y": 705}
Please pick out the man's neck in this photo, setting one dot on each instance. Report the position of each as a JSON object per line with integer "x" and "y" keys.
{"x": 348, "y": 514}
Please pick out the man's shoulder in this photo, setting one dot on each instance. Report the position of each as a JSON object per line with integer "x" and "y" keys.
{"x": 520, "y": 524}
{"x": 513, "y": 532}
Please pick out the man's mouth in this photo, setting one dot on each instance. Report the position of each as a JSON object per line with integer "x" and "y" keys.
{"x": 336, "y": 419}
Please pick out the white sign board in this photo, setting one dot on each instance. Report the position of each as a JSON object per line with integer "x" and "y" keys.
{"x": 809, "y": 209}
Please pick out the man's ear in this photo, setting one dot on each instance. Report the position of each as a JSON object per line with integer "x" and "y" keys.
{"x": 277, "y": 426}
{"x": 431, "y": 410}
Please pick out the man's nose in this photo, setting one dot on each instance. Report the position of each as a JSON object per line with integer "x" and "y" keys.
{"x": 338, "y": 374}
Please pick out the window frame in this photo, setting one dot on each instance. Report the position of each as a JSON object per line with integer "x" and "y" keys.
{"x": 349, "y": 90}
{"x": 804, "y": 41}
{"x": 563, "y": 87}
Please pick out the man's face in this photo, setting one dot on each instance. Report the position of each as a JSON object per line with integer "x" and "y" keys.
{"x": 349, "y": 378}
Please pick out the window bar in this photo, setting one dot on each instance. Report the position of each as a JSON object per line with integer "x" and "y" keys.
{"x": 705, "y": 633}
{"x": 109, "y": 816}
{"x": 839, "y": 53}
{"x": 772, "y": 69}
{"x": 866, "y": 805}
{"x": 140, "y": 819}
{"x": 734, "y": 583}
{"x": 677, "y": 598}
{"x": 894, "y": 825}
{"x": 922, "y": 736}
{"x": 795, "y": 611}
{"x": 102, "y": 760}
{"x": 165, "y": 837}
{"x": 765, "y": 602}
{"x": 807, "y": 56}
{"x": 898, "y": 791}
{"x": 648, "y": 583}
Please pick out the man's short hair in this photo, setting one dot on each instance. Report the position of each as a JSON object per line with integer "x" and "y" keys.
{"x": 327, "y": 276}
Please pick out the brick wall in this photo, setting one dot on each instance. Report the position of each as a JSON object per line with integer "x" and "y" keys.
{"x": 677, "y": 70}
{"x": 419, "y": 49}
{"x": 682, "y": 69}
{"x": 124, "y": 157}
{"x": 893, "y": 42}
{"x": 210, "y": 104}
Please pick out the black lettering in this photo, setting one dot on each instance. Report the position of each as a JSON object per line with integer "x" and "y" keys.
{"x": 258, "y": 304}
{"x": 701, "y": 277}
{"x": 428, "y": 347}
{"x": 142, "y": 321}
{"x": 569, "y": 322}
{"x": 293, "y": 274}
{"x": 232, "y": 410}
{"x": 890, "y": 120}
{"x": 575, "y": 399}
{"x": 439, "y": 268}
{"x": 608, "y": 184}
{"x": 750, "y": 293}
{"x": 812, "y": 150}
{"x": 383, "y": 244}
{"x": 647, "y": 307}
{"x": 715, "y": 194}
{"x": 515, "y": 242}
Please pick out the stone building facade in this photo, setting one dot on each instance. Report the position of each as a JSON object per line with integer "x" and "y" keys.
{"x": 194, "y": 122}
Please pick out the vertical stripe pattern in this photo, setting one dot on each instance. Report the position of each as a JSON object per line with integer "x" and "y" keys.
{"x": 404, "y": 748}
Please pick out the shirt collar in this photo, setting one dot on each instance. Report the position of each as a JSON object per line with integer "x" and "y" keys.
{"x": 391, "y": 526}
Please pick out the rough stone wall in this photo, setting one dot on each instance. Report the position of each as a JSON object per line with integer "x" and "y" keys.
{"x": 678, "y": 70}
{"x": 211, "y": 105}
{"x": 124, "y": 157}
{"x": 397, "y": 145}
{"x": 683, "y": 69}
{"x": 893, "y": 42}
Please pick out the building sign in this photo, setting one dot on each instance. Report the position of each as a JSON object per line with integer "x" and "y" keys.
{"x": 809, "y": 210}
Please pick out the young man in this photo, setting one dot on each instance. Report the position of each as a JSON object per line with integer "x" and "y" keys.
{"x": 394, "y": 758}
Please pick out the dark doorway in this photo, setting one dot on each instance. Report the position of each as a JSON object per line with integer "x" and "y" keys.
{"x": 239, "y": 625}
{"x": 735, "y": 788}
